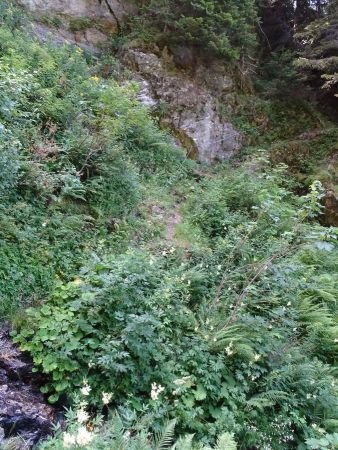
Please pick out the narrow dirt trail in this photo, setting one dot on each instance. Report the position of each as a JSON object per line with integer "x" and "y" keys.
{"x": 171, "y": 221}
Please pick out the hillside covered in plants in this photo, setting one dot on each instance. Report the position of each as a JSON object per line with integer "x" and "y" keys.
{"x": 167, "y": 301}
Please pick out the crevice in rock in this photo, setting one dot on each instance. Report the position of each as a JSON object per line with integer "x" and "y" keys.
{"x": 112, "y": 12}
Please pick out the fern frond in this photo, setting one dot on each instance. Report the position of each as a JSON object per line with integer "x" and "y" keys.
{"x": 164, "y": 438}
{"x": 226, "y": 442}
{"x": 118, "y": 429}
{"x": 266, "y": 399}
{"x": 184, "y": 443}
{"x": 311, "y": 314}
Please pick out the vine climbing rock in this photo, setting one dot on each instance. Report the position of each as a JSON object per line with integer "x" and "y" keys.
{"x": 25, "y": 417}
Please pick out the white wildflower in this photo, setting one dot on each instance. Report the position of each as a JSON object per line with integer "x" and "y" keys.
{"x": 106, "y": 397}
{"x": 85, "y": 390}
{"x": 182, "y": 381}
{"x": 82, "y": 415}
{"x": 68, "y": 440}
{"x": 257, "y": 357}
{"x": 83, "y": 436}
{"x": 127, "y": 435}
{"x": 156, "y": 390}
{"x": 288, "y": 304}
{"x": 229, "y": 350}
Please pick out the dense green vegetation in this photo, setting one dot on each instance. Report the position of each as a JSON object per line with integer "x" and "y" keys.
{"x": 74, "y": 150}
{"x": 226, "y": 29}
{"x": 222, "y": 335}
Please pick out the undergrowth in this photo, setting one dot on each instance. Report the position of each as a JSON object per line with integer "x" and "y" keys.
{"x": 223, "y": 336}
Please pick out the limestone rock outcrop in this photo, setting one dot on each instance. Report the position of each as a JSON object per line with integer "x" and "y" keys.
{"x": 190, "y": 105}
{"x": 105, "y": 12}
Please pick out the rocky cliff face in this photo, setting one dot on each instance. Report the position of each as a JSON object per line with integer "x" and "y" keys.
{"x": 192, "y": 98}
{"x": 190, "y": 104}
{"x": 84, "y": 22}
{"x": 106, "y": 12}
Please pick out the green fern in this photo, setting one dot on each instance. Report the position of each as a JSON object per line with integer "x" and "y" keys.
{"x": 164, "y": 438}
{"x": 225, "y": 442}
{"x": 120, "y": 441}
{"x": 185, "y": 443}
{"x": 266, "y": 399}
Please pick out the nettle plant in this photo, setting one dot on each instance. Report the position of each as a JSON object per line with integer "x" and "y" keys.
{"x": 237, "y": 336}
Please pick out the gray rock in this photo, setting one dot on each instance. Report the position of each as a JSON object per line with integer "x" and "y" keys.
{"x": 111, "y": 11}
{"x": 24, "y": 414}
{"x": 184, "y": 57}
{"x": 193, "y": 105}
